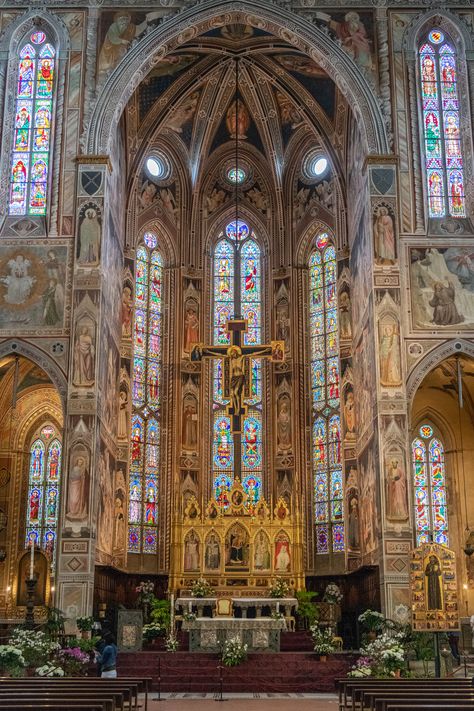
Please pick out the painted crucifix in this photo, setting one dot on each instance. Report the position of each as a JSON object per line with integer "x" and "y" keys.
{"x": 237, "y": 372}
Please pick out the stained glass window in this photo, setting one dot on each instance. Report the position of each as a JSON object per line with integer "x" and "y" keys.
{"x": 441, "y": 127}
{"x": 146, "y": 395}
{"x": 31, "y": 152}
{"x": 429, "y": 482}
{"x": 237, "y": 280}
{"x": 44, "y": 482}
{"x": 326, "y": 427}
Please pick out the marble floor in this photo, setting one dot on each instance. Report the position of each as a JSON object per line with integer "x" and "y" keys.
{"x": 245, "y": 702}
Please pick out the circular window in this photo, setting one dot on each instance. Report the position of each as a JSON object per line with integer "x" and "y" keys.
{"x": 150, "y": 239}
{"x": 38, "y": 37}
{"x": 436, "y": 36}
{"x": 315, "y": 166}
{"x": 154, "y": 167}
{"x": 236, "y": 176}
{"x": 157, "y": 167}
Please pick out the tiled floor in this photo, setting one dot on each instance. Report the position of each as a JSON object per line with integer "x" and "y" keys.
{"x": 245, "y": 702}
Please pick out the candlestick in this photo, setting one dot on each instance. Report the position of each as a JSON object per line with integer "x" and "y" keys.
{"x": 32, "y": 559}
{"x": 172, "y": 612}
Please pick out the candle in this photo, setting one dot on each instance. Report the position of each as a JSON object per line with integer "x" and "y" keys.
{"x": 32, "y": 558}
{"x": 190, "y": 606}
{"x": 172, "y": 612}
{"x": 278, "y": 607}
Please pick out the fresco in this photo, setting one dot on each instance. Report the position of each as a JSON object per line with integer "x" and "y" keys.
{"x": 32, "y": 283}
{"x": 442, "y": 287}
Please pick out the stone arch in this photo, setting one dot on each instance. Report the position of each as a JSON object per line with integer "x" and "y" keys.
{"x": 447, "y": 20}
{"x": 35, "y": 354}
{"x": 432, "y": 359}
{"x": 295, "y": 30}
{"x": 305, "y": 246}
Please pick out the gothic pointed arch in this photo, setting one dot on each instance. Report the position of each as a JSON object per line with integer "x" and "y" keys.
{"x": 140, "y": 59}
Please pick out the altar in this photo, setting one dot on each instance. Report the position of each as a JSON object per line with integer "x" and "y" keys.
{"x": 208, "y": 634}
{"x": 287, "y": 606}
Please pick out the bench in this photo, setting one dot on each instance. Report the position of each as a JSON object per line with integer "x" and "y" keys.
{"x": 350, "y": 689}
{"x": 374, "y": 700}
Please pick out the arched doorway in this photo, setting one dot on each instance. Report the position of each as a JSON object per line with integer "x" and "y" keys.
{"x": 442, "y": 449}
{"x": 31, "y": 476}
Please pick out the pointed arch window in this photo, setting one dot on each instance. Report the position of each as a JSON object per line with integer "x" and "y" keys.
{"x": 145, "y": 454}
{"x": 326, "y": 424}
{"x": 441, "y": 126}
{"x": 29, "y": 170}
{"x": 429, "y": 482}
{"x": 44, "y": 484}
{"x": 237, "y": 282}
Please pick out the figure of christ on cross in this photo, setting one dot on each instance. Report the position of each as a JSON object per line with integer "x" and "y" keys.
{"x": 237, "y": 371}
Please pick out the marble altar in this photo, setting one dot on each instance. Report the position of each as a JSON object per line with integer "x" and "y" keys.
{"x": 286, "y": 605}
{"x": 207, "y": 634}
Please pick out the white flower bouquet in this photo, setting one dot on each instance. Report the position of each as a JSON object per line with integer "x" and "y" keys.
{"x": 234, "y": 652}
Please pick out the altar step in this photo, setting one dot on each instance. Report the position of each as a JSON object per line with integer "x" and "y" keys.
{"x": 296, "y": 642}
{"x": 287, "y": 672}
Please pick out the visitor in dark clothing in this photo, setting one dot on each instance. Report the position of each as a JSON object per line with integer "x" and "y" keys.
{"x": 108, "y": 658}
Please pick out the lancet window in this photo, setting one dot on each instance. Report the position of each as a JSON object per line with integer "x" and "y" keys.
{"x": 429, "y": 482}
{"x": 237, "y": 292}
{"x": 145, "y": 454}
{"x": 31, "y": 153}
{"x": 441, "y": 126}
{"x": 44, "y": 483}
{"x": 326, "y": 425}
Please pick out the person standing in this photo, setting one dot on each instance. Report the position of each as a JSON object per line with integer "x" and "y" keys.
{"x": 108, "y": 658}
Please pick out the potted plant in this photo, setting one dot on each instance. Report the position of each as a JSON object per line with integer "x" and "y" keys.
{"x": 373, "y": 622}
{"x": 323, "y": 641}
{"x": 201, "y": 588}
{"x": 171, "y": 644}
{"x": 152, "y": 631}
{"x": 34, "y": 645}
{"x": 234, "y": 652}
{"x": 161, "y": 612}
{"x": 84, "y": 625}
{"x": 279, "y": 588}
{"x": 308, "y": 611}
{"x": 12, "y": 661}
{"x": 74, "y": 661}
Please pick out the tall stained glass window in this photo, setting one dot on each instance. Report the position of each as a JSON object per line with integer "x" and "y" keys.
{"x": 146, "y": 396}
{"x": 237, "y": 279}
{"x": 32, "y": 127}
{"x": 429, "y": 482}
{"x": 441, "y": 127}
{"x": 44, "y": 482}
{"x": 326, "y": 423}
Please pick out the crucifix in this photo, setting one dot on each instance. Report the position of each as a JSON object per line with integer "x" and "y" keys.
{"x": 237, "y": 372}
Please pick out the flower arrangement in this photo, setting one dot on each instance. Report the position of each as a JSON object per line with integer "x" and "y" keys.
{"x": 279, "y": 588}
{"x": 12, "y": 660}
{"x": 277, "y": 615}
{"x": 35, "y": 647}
{"x": 189, "y": 616}
{"x": 234, "y": 652}
{"x": 74, "y": 661}
{"x": 382, "y": 658}
{"x": 84, "y": 624}
{"x": 145, "y": 593}
{"x": 323, "y": 640}
{"x": 201, "y": 588}
{"x": 152, "y": 631}
{"x": 363, "y": 667}
{"x": 372, "y": 620}
{"x": 49, "y": 669}
{"x": 171, "y": 643}
{"x": 332, "y": 594}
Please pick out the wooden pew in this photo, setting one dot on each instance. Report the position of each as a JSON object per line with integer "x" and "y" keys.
{"x": 350, "y": 689}
{"x": 421, "y": 707}
{"x": 109, "y": 700}
{"x": 129, "y": 688}
{"x": 33, "y": 704}
{"x": 371, "y": 699}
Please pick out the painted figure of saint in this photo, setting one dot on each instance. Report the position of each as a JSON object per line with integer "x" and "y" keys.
{"x": 191, "y": 328}
{"x": 445, "y": 312}
{"x": 19, "y": 283}
{"x": 34, "y": 505}
{"x": 282, "y": 556}
{"x": 433, "y": 580}
{"x": 397, "y": 498}
{"x": 78, "y": 490}
{"x": 84, "y": 353}
{"x": 89, "y": 238}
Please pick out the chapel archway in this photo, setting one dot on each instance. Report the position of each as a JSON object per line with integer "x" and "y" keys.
{"x": 441, "y": 446}
{"x": 32, "y": 479}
